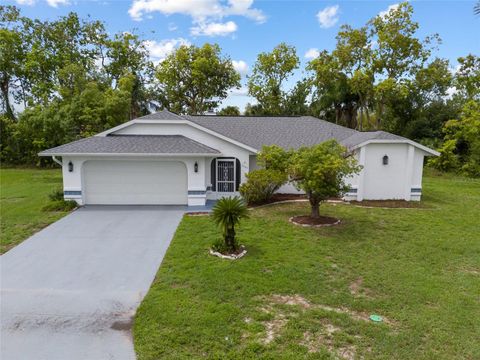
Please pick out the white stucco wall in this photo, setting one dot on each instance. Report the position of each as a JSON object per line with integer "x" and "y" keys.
{"x": 197, "y": 181}
{"x": 400, "y": 179}
{"x": 226, "y": 148}
{"x": 73, "y": 181}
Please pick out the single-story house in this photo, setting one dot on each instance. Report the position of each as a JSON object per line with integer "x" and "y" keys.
{"x": 165, "y": 158}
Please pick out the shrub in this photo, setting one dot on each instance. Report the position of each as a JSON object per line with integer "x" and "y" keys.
{"x": 261, "y": 185}
{"x": 227, "y": 213}
{"x": 60, "y": 205}
{"x": 56, "y": 195}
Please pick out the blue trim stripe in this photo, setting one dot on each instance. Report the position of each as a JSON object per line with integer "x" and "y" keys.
{"x": 416, "y": 190}
{"x": 354, "y": 191}
{"x": 196, "y": 192}
{"x": 72, "y": 192}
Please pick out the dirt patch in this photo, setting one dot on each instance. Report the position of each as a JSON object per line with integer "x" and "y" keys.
{"x": 471, "y": 271}
{"x": 358, "y": 290}
{"x": 273, "y": 328}
{"x": 298, "y": 300}
{"x": 306, "y": 220}
{"x": 393, "y": 204}
{"x": 290, "y": 300}
{"x": 314, "y": 342}
{"x": 198, "y": 213}
{"x": 122, "y": 325}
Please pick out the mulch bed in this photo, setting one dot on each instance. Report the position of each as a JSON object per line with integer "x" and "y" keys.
{"x": 306, "y": 220}
{"x": 282, "y": 197}
{"x": 389, "y": 204}
{"x": 197, "y": 213}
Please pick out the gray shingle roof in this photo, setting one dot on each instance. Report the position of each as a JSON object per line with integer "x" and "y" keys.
{"x": 162, "y": 115}
{"x": 360, "y": 137}
{"x": 254, "y": 131}
{"x": 132, "y": 144}
{"x": 285, "y": 131}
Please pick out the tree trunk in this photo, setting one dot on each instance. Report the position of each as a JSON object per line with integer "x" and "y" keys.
{"x": 8, "y": 108}
{"x": 230, "y": 239}
{"x": 315, "y": 205}
{"x": 367, "y": 112}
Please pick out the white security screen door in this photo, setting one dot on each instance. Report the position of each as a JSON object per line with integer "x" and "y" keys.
{"x": 226, "y": 175}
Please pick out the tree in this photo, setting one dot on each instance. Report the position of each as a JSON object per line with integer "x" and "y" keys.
{"x": 333, "y": 91}
{"x": 227, "y": 214}
{"x": 321, "y": 171}
{"x": 398, "y": 53}
{"x": 460, "y": 151}
{"x": 127, "y": 54}
{"x": 229, "y": 111}
{"x": 194, "y": 80}
{"x": 268, "y": 75}
{"x": 467, "y": 78}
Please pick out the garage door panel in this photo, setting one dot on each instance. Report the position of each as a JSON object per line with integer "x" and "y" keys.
{"x": 135, "y": 182}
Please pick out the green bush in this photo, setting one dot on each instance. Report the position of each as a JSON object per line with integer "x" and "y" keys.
{"x": 56, "y": 195}
{"x": 261, "y": 185}
{"x": 60, "y": 205}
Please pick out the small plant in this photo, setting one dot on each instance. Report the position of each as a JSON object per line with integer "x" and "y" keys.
{"x": 60, "y": 205}
{"x": 227, "y": 213}
{"x": 261, "y": 185}
{"x": 56, "y": 195}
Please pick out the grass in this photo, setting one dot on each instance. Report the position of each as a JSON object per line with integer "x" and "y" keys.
{"x": 23, "y": 194}
{"x": 305, "y": 293}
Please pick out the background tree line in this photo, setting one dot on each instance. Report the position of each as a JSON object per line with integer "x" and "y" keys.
{"x": 67, "y": 79}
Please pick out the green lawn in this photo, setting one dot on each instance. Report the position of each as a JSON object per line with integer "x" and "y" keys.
{"x": 305, "y": 293}
{"x": 23, "y": 193}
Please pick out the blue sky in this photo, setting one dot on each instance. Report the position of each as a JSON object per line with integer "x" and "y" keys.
{"x": 243, "y": 28}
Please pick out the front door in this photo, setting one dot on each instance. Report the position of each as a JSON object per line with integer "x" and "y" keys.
{"x": 225, "y": 175}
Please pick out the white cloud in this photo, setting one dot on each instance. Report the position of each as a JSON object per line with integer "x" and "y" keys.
{"x": 159, "y": 50}
{"x": 53, "y": 3}
{"x": 213, "y": 29}
{"x": 386, "y": 12}
{"x": 172, "y": 27}
{"x": 26, "y": 2}
{"x": 241, "y": 66}
{"x": 243, "y": 91}
{"x": 328, "y": 17}
{"x": 312, "y": 53}
{"x": 199, "y": 10}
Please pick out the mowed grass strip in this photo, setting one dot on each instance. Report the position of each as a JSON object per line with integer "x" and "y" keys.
{"x": 307, "y": 293}
{"x": 23, "y": 193}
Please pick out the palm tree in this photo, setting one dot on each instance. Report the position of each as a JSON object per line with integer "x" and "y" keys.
{"x": 227, "y": 213}
{"x": 476, "y": 8}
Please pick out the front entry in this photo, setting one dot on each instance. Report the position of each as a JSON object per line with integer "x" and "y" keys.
{"x": 225, "y": 179}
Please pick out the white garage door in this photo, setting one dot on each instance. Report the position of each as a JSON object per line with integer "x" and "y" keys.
{"x": 116, "y": 182}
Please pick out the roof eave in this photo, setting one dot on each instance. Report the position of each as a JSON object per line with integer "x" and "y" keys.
{"x": 45, "y": 154}
{"x": 429, "y": 151}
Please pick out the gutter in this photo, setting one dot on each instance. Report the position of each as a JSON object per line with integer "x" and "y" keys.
{"x": 57, "y": 161}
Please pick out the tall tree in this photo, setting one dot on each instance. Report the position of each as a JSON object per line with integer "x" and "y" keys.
{"x": 268, "y": 75}
{"x": 467, "y": 78}
{"x": 194, "y": 79}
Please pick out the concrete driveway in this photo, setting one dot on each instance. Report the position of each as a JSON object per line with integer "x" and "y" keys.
{"x": 70, "y": 290}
